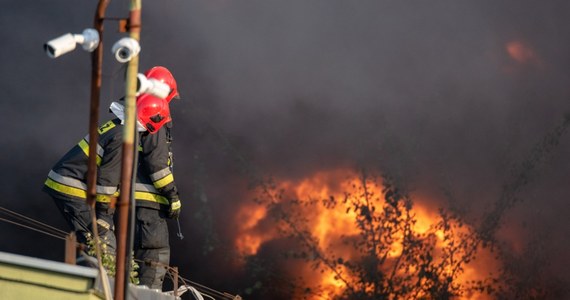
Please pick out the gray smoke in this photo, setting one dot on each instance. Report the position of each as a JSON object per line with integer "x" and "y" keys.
{"x": 424, "y": 91}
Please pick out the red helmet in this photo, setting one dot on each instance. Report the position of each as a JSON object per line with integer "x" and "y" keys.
{"x": 163, "y": 74}
{"x": 152, "y": 112}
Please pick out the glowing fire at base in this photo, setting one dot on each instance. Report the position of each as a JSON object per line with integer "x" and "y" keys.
{"x": 330, "y": 218}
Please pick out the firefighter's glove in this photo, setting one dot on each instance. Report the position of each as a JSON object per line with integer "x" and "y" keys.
{"x": 174, "y": 211}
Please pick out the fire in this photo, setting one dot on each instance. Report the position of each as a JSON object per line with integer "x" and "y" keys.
{"x": 250, "y": 238}
{"x": 330, "y": 224}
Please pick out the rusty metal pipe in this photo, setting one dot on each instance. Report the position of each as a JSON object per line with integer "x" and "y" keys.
{"x": 122, "y": 266}
{"x": 96, "y": 71}
{"x": 96, "y": 67}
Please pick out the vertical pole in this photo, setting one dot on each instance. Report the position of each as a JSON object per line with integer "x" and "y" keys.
{"x": 96, "y": 62}
{"x": 96, "y": 67}
{"x": 122, "y": 266}
{"x": 175, "y": 281}
{"x": 70, "y": 248}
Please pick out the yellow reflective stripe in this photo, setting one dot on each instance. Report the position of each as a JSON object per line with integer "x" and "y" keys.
{"x": 85, "y": 147}
{"x": 73, "y": 191}
{"x": 145, "y": 196}
{"x": 140, "y": 148}
{"x": 106, "y": 198}
{"x": 103, "y": 198}
{"x": 164, "y": 181}
{"x": 176, "y": 205}
{"x": 64, "y": 189}
{"x": 106, "y": 127}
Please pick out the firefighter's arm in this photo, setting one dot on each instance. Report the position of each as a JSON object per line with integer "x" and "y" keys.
{"x": 108, "y": 177}
{"x": 109, "y": 171}
{"x": 155, "y": 160}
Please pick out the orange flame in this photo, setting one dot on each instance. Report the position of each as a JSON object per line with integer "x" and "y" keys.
{"x": 328, "y": 226}
{"x": 249, "y": 238}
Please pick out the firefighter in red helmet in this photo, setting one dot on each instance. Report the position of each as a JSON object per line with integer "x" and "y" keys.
{"x": 156, "y": 195}
{"x": 66, "y": 182}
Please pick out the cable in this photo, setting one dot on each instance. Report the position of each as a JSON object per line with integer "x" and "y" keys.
{"x": 30, "y": 220}
{"x": 196, "y": 294}
{"x": 185, "y": 282}
{"x": 53, "y": 232}
{"x": 209, "y": 296}
{"x": 34, "y": 229}
{"x": 114, "y": 75}
{"x": 60, "y": 234}
{"x": 212, "y": 291}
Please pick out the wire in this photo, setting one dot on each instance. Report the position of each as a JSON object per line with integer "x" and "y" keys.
{"x": 195, "y": 292}
{"x": 206, "y": 291}
{"x": 113, "y": 76}
{"x": 34, "y": 229}
{"x": 211, "y": 291}
{"x": 30, "y": 220}
{"x": 60, "y": 234}
{"x": 184, "y": 280}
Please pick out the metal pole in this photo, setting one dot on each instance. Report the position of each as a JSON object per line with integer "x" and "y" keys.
{"x": 96, "y": 67}
{"x": 175, "y": 281}
{"x": 96, "y": 62}
{"x": 70, "y": 248}
{"x": 122, "y": 266}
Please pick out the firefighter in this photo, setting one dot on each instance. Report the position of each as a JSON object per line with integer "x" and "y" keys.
{"x": 66, "y": 182}
{"x": 156, "y": 195}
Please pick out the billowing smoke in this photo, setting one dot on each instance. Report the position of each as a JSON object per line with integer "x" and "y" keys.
{"x": 451, "y": 98}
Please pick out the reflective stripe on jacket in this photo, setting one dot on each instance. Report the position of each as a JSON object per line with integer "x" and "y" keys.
{"x": 155, "y": 186}
{"x": 69, "y": 175}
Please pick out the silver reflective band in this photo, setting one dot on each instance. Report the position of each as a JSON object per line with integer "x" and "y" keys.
{"x": 100, "y": 150}
{"x": 67, "y": 180}
{"x": 104, "y": 224}
{"x": 141, "y": 187}
{"x": 160, "y": 174}
{"x": 106, "y": 190}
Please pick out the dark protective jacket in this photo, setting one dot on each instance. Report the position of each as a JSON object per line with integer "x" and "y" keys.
{"x": 155, "y": 187}
{"x": 68, "y": 177}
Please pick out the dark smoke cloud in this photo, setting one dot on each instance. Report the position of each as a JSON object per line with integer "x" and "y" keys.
{"x": 425, "y": 91}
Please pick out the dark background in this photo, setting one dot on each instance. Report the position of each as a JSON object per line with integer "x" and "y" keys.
{"x": 426, "y": 91}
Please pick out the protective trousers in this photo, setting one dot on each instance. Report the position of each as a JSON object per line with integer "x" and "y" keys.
{"x": 76, "y": 214}
{"x": 78, "y": 217}
{"x": 152, "y": 249}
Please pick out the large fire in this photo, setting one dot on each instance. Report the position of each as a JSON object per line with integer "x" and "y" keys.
{"x": 329, "y": 226}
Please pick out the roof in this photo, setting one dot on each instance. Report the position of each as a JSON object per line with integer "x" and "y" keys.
{"x": 23, "y": 277}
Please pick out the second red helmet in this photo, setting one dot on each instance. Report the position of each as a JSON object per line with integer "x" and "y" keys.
{"x": 152, "y": 112}
{"x": 163, "y": 74}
